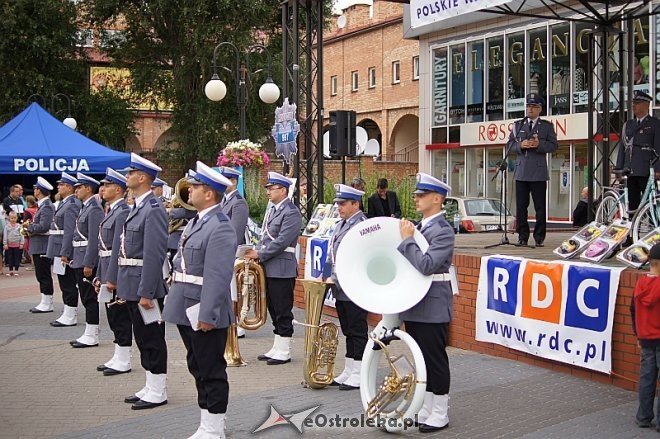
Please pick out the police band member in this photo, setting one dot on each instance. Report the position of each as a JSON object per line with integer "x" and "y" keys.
{"x": 60, "y": 246}
{"x": 428, "y": 321}
{"x": 177, "y": 214}
{"x": 236, "y": 208}
{"x": 199, "y": 301}
{"x": 86, "y": 257}
{"x": 277, "y": 253}
{"x": 38, "y": 232}
{"x": 140, "y": 279}
{"x": 119, "y": 320}
{"x": 157, "y": 188}
{"x": 532, "y": 139}
{"x": 643, "y": 130}
{"x": 352, "y": 318}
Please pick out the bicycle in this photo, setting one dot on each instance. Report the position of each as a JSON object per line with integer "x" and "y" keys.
{"x": 614, "y": 205}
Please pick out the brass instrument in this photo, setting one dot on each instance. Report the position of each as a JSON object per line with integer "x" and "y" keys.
{"x": 23, "y": 229}
{"x": 251, "y": 292}
{"x": 232, "y": 351}
{"x": 320, "y": 340}
{"x": 180, "y": 199}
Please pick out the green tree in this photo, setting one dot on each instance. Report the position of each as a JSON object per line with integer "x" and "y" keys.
{"x": 39, "y": 54}
{"x": 168, "y": 47}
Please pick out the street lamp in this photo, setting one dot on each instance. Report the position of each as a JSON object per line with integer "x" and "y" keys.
{"x": 216, "y": 90}
{"x": 68, "y": 120}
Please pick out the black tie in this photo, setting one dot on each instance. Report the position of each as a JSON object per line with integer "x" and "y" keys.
{"x": 531, "y": 125}
{"x": 195, "y": 220}
{"x": 419, "y": 225}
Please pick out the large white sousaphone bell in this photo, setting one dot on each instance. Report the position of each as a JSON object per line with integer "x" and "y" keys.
{"x": 379, "y": 279}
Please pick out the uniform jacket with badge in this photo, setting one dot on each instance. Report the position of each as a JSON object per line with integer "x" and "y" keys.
{"x": 646, "y": 134}
{"x": 436, "y": 306}
{"x": 531, "y": 164}
{"x": 236, "y": 209}
{"x": 342, "y": 228}
{"x": 207, "y": 250}
{"x": 110, "y": 240}
{"x": 64, "y": 220}
{"x": 145, "y": 238}
{"x": 278, "y": 241}
{"x": 87, "y": 229}
{"x": 40, "y": 226}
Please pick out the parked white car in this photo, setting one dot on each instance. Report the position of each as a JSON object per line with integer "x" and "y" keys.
{"x": 477, "y": 214}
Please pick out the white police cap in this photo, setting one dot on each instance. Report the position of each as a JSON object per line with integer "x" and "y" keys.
{"x": 67, "y": 179}
{"x": 114, "y": 177}
{"x": 346, "y": 193}
{"x": 158, "y": 183}
{"x": 428, "y": 183}
{"x": 276, "y": 178}
{"x": 84, "y": 179}
{"x": 141, "y": 164}
{"x": 208, "y": 176}
{"x": 43, "y": 184}
{"x": 230, "y": 172}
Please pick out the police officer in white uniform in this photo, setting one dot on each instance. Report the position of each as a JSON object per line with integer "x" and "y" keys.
{"x": 352, "y": 318}
{"x": 277, "y": 253}
{"x": 119, "y": 320}
{"x": 199, "y": 301}
{"x": 60, "y": 246}
{"x": 38, "y": 232}
{"x": 140, "y": 279}
{"x": 86, "y": 257}
{"x": 428, "y": 321}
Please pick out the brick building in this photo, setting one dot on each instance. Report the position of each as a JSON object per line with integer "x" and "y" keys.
{"x": 368, "y": 67}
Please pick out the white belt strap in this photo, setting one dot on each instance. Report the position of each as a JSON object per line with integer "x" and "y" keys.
{"x": 56, "y": 232}
{"x": 442, "y": 277}
{"x": 188, "y": 278}
{"x": 79, "y": 243}
{"x": 130, "y": 262}
{"x": 105, "y": 253}
{"x": 290, "y": 250}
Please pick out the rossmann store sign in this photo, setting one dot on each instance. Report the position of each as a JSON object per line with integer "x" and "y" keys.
{"x": 567, "y": 127}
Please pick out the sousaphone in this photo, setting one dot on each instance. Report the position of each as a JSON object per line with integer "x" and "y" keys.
{"x": 379, "y": 279}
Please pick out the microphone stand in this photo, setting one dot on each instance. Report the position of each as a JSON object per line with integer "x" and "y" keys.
{"x": 502, "y": 171}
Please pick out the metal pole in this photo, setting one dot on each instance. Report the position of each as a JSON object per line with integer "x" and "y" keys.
{"x": 590, "y": 127}
{"x": 242, "y": 101}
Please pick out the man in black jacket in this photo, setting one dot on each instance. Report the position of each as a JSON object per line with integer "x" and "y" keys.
{"x": 384, "y": 202}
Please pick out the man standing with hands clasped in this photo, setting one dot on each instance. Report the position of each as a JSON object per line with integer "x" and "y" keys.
{"x": 532, "y": 139}
{"x": 428, "y": 321}
{"x": 199, "y": 301}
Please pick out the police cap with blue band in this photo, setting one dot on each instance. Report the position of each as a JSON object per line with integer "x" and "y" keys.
{"x": 114, "y": 177}
{"x": 67, "y": 179}
{"x": 43, "y": 184}
{"x": 278, "y": 179}
{"x": 141, "y": 164}
{"x": 347, "y": 193}
{"x": 428, "y": 183}
{"x": 208, "y": 176}
{"x": 85, "y": 179}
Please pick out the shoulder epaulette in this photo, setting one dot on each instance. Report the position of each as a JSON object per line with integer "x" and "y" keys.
{"x": 222, "y": 217}
{"x": 153, "y": 202}
{"x": 125, "y": 206}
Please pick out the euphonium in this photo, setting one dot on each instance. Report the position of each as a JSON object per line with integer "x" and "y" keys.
{"x": 180, "y": 199}
{"x": 251, "y": 292}
{"x": 320, "y": 340}
{"x": 232, "y": 351}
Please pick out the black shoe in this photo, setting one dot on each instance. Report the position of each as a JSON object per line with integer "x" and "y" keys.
{"x": 423, "y": 428}
{"x": 522, "y": 243}
{"x": 334, "y": 384}
{"x": 643, "y": 424}
{"x": 539, "y": 243}
{"x": 79, "y": 345}
{"x": 72, "y": 342}
{"x": 274, "y": 362}
{"x": 144, "y": 405}
{"x": 108, "y": 372}
{"x": 56, "y": 324}
{"x": 131, "y": 399}
{"x": 347, "y": 387}
{"x": 263, "y": 357}
{"x": 241, "y": 336}
{"x": 101, "y": 367}
{"x": 38, "y": 311}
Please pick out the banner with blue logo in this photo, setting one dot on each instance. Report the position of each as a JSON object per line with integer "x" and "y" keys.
{"x": 560, "y": 310}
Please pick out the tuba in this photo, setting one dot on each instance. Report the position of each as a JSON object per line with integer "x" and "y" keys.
{"x": 251, "y": 294}
{"x": 320, "y": 340}
{"x": 232, "y": 351}
{"x": 377, "y": 282}
{"x": 180, "y": 199}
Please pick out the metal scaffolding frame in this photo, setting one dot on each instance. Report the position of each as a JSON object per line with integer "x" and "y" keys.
{"x": 302, "y": 34}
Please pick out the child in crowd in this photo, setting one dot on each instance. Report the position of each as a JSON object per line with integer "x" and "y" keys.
{"x": 645, "y": 311}
{"x": 13, "y": 242}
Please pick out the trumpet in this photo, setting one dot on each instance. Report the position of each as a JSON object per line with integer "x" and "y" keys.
{"x": 23, "y": 230}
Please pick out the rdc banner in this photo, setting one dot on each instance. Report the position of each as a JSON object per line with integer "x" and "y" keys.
{"x": 315, "y": 264}
{"x": 558, "y": 310}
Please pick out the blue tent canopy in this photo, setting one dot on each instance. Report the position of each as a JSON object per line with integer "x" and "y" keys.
{"x": 36, "y": 142}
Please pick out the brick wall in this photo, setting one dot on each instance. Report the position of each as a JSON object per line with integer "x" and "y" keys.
{"x": 625, "y": 354}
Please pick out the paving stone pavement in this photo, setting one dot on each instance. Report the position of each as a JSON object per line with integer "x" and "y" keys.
{"x": 49, "y": 390}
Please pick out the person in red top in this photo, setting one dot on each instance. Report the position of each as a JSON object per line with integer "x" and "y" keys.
{"x": 645, "y": 312}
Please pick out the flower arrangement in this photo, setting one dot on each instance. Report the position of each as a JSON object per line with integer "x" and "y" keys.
{"x": 243, "y": 153}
